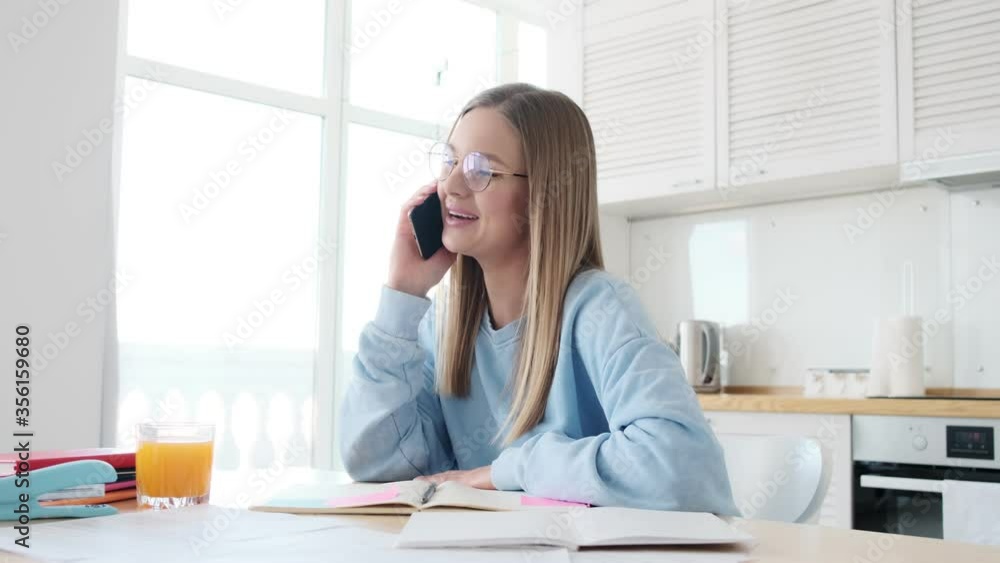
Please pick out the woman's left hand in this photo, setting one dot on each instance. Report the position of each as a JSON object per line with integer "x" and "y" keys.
{"x": 478, "y": 477}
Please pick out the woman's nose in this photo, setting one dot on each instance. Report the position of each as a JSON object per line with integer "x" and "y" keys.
{"x": 454, "y": 183}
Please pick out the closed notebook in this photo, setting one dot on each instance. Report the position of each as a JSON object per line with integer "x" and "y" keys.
{"x": 401, "y": 497}
{"x": 79, "y": 491}
{"x": 119, "y": 458}
{"x": 595, "y": 527}
{"x": 111, "y": 496}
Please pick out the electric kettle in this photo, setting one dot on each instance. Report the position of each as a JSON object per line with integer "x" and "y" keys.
{"x": 698, "y": 344}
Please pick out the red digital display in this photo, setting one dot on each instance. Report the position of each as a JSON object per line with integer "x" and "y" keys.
{"x": 973, "y": 442}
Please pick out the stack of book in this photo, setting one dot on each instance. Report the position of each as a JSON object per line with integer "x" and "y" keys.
{"x": 123, "y": 460}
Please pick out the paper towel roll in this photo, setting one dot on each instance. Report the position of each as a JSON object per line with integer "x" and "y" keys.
{"x": 898, "y": 357}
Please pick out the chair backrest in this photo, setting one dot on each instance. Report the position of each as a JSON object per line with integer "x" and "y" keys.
{"x": 775, "y": 477}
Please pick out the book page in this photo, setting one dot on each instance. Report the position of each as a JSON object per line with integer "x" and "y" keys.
{"x": 632, "y": 526}
{"x": 453, "y": 494}
{"x": 487, "y": 529}
{"x": 408, "y": 493}
{"x": 324, "y": 498}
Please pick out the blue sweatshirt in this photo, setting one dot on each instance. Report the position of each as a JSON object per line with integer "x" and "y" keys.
{"x": 622, "y": 427}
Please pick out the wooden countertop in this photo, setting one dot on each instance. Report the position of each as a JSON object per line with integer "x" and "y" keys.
{"x": 778, "y": 543}
{"x": 821, "y": 405}
{"x": 791, "y": 400}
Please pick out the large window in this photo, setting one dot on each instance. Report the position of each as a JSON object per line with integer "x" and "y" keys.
{"x": 218, "y": 232}
{"x": 266, "y": 149}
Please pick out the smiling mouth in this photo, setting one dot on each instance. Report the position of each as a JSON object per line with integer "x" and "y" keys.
{"x": 462, "y": 216}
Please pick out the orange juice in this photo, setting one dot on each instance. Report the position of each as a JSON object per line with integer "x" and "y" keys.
{"x": 173, "y": 469}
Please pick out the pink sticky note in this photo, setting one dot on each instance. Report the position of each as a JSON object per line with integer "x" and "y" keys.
{"x": 365, "y": 500}
{"x": 527, "y": 500}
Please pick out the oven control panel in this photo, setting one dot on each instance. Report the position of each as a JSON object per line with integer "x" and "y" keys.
{"x": 926, "y": 440}
{"x": 970, "y": 442}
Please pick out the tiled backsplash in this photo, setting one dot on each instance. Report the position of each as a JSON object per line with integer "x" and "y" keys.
{"x": 799, "y": 284}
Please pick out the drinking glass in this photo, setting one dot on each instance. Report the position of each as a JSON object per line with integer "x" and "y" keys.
{"x": 173, "y": 464}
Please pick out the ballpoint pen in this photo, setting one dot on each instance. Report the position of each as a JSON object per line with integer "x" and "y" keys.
{"x": 429, "y": 493}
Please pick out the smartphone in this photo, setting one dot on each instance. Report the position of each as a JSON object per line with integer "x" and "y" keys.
{"x": 427, "y": 225}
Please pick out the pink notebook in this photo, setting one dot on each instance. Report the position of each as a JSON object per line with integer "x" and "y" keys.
{"x": 119, "y": 458}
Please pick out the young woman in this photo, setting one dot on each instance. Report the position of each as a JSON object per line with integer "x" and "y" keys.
{"x": 534, "y": 369}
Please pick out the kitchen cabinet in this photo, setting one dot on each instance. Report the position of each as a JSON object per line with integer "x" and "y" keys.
{"x": 806, "y": 90}
{"x": 705, "y": 105}
{"x": 949, "y": 82}
{"x": 832, "y": 432}
{"x": 648, "y": 90}
{"x": 710, "y": 104}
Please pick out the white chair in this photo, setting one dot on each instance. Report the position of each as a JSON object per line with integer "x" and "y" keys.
{"x": 776, "y": 477}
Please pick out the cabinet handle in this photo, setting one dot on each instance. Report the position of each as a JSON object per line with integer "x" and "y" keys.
{"x": 902, "y": 483}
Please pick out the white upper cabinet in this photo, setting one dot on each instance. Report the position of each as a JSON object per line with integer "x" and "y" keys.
{"x": 700, "y": 104}
{"x": 648, "y": 90}
{"x": 807, "y": 88}
{"x": 949, "y": 78}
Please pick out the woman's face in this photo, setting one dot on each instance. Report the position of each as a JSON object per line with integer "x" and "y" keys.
{"x": 499, "y": 227}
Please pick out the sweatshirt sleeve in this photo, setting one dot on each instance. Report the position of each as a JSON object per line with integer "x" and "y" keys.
{"x": 659, "y": 452}
{"x": 390, "y": 426}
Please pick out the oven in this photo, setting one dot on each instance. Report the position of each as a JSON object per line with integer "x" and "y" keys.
{"x": 901, "y": 464}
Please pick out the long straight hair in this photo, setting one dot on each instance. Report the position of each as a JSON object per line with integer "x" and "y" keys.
{"x": 562, "y": 225}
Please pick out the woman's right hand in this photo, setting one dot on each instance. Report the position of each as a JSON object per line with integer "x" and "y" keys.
{"x": 408, "y": 271}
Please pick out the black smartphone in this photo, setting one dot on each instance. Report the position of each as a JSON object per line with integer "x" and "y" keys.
{"x": 427, "y": 225}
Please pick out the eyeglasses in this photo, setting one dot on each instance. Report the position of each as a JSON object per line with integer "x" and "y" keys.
{"x": 476, "y": 167}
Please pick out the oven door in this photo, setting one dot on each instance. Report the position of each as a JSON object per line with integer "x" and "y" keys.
{"x": 906, "y": 499}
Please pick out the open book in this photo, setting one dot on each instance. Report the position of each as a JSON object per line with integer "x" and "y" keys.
{"x": 401, "y": 497}
{"x": 594, "y": 527}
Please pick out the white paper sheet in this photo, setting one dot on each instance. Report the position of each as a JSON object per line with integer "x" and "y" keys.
{"x": 660, "y": 555}
{"x": 488, "y": 529}
{"x": 632, "y": 526}
{"x": 371, "y": 546}
{"x": 219, "y": 535}
{"x": 580, "y": 527}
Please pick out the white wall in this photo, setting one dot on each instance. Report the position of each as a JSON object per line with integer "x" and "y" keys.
{"x": 838, "y": 271}
{"x": 57, "y": 63}
{"x": 975, "y": 236}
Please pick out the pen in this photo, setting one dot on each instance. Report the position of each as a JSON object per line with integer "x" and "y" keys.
{"x": 429, "y": 493}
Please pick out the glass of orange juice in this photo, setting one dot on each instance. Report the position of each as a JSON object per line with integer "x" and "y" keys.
{"x": 173, "y": 464}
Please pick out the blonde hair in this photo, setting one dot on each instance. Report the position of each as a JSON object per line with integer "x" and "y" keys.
{"x": 558, "y": 147}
